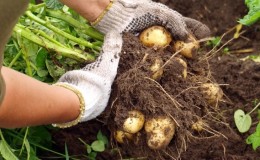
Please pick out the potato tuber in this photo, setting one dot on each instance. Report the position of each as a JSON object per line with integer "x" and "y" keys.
{"x": 155, "y": 36}
{"x": 134, "y": 122}
{"x": 188, "y": 48}
{"x": 121, "y": 136}
{"x": 211, "y": 92}
{"x": 160, "y": 131}
{"x": 156, "y": 68}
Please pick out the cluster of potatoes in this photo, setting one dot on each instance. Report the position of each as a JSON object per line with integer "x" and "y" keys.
{"x": 161, "y": 129}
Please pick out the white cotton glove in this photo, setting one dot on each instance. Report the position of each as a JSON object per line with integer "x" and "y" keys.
{"x": 94, "y": 81}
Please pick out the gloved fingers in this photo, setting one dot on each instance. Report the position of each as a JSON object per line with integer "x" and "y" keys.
{"x": 173, "y": 21}
{"x": 198, "y": 29}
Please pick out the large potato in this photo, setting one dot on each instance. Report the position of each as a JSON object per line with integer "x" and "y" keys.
{"x": 155, "y": 36}
{"x": 160, "y": 131}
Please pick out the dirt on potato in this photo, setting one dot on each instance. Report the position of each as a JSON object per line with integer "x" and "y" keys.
{"x": 180, "y": 98}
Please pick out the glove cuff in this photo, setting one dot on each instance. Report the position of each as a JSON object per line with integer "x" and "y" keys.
{"x": 100, "y": 17}
{"x": 82, "y": 106}
{"x": 115, "y": 17}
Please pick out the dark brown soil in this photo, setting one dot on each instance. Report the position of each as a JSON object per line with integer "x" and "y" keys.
{"x": 173, "y": 96}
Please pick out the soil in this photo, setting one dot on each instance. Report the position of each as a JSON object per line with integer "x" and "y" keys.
{"x": 179, "y": 98}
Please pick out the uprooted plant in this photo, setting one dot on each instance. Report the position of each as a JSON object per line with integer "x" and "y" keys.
{"x": 159, "y": 93}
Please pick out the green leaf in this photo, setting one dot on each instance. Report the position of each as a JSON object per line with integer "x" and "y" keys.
{"x": 40, "y": 58}
{"x": 98, "y": 146}
{"x": 6, "y": 151}
{"x": 243, "y": 121}
{"x": 92, "y": 155}
{"x": 102, "y": 137}
{"x": 54, "y": 70}
{"x": 254, "y": 12}
{"x": 88, "y": 148}
{"x": 42, "y": 72}
{"x": 254, "y": 138}
{"x": 53, "y": 4}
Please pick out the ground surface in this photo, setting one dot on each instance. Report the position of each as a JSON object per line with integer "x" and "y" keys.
{"x": 240, "y": 81}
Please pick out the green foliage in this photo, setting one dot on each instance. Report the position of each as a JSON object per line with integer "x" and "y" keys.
{"x": 243, "y": 123}
{"x": 23, "y": 143}
{"x": 255, "y": 58}
{"x": 216, "y": 41}
{"x": 254, "y": 138}
{"x": 53, "y": 4}
{"x": 98, "y": 145}
{"x": 48, "y": 40}
{"x": 254, "y": 12}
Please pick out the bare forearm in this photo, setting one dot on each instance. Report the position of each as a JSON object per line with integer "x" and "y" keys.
{"x": 29, "y": 102}
{"x": 89, "y": 9}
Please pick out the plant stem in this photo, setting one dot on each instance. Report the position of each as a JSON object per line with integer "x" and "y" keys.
{"x": 84, "y": 27}
{"x": 66, "y": 52}
{"x": 33, "y": 7}
{"x": 43, "y": 34}
{"x": 15, "y": 59}
{"x": 254, "y": 108}
{"x": 24, "y": 138}
{"x": 25, "y": 55}
{"x": 60, "y": 32}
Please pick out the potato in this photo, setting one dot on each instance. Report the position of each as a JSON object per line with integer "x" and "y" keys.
{"x": 189, "y": 47}
{"x": 211, "y": 92}
{"x": 155, "y": 36}
{"x": 156, "y": 69}
{"x": 160, "y": 131}
{"x": 134, "y": 122}
{"x": 198, "y": 126}
{"x": 121, "y": 136}
{"x": 184, "y": 64}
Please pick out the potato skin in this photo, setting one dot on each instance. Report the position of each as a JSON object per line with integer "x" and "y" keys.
{"x": 189, "y": 47}
{"x": 155, "y": 36}
{"x": 160, "y": 131}
{"x": 134, "y": 122}
{"x": 211, "y": 92}
{"x": 121, "y": 136}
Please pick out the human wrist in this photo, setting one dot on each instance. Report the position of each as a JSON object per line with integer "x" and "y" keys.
{"x": 75, "y": 113}
{"x": 90, "y": 10}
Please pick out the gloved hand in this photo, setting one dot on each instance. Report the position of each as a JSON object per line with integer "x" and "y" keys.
{"x": 93, "y": 83}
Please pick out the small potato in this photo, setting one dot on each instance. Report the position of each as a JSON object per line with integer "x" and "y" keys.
{"x": 134, "y": 122}
{"x": 156, "y": 69}
{"x": 211, "y": 92}
{"x": 155, "y": 36}
{"x": 121, "y": 136}
{"x": 198, "y": 126}
{"x": 160, "y": 131}
{"x": 184, "y": 64}
{"x": 189, "y": 48}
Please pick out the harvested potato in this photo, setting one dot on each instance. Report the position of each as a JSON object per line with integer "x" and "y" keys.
{"x": 211, "y": 92}
{"x": 160, "y": 131}
{"x": 155, "y": 36}
{"x": 184, "y": 64}
{"x": 189, "y": 47}
{"x": 198, "y": 126}
{"x": 156, "y": 68}
{"x": 121, "y": 136}
{"x": 134, "y": 122}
